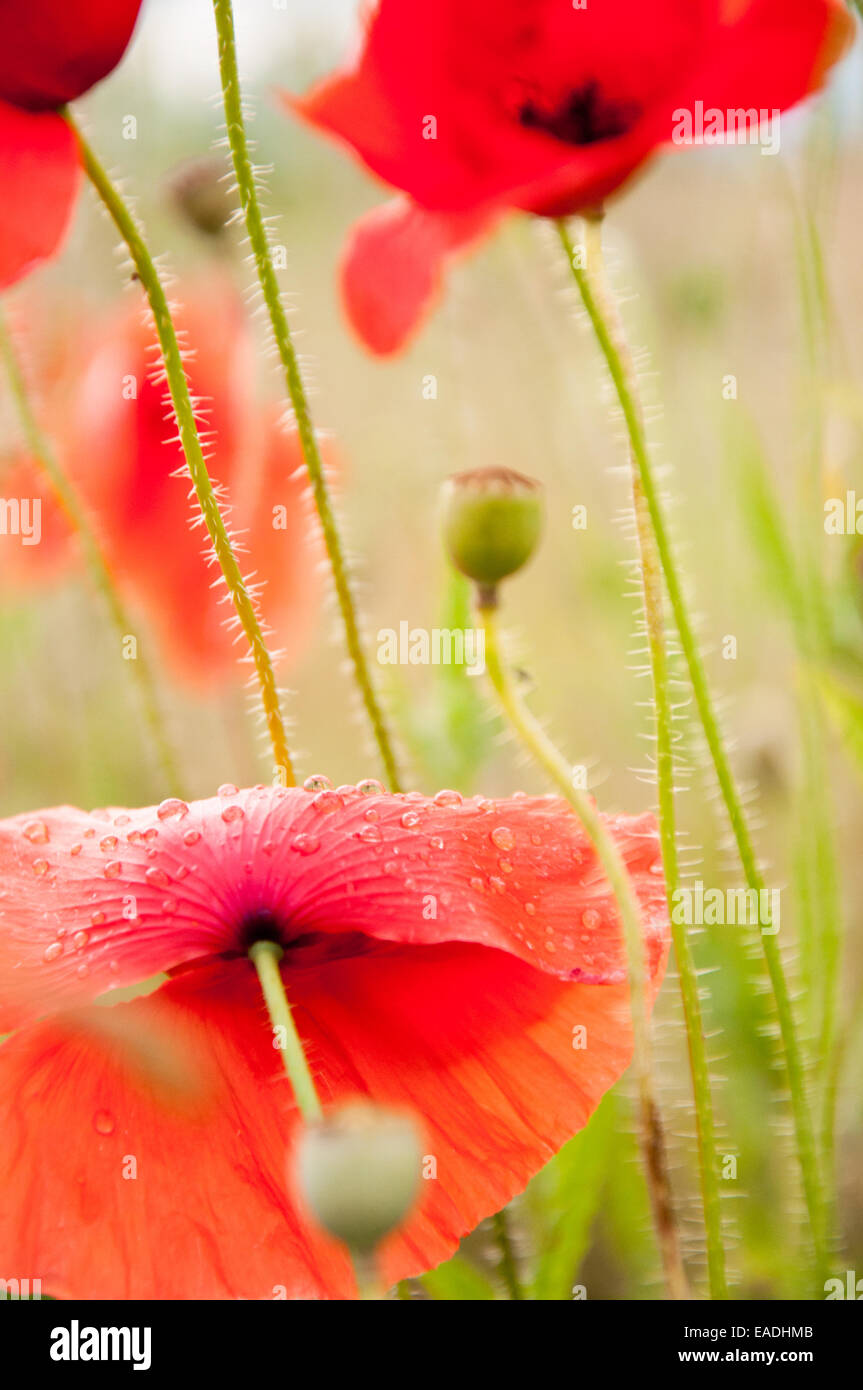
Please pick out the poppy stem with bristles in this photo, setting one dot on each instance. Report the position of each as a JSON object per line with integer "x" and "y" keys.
{"x": 551, "y": 760}
{"x": 259, "y": 241}
{"x": 653, "y": 531}
{"x": 187, "y": 428}
{"x": 44, "y": 456}
{"x": 265, "y": 957}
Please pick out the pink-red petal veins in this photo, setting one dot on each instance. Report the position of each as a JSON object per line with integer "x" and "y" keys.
{"x": 394, "y": 265}
{"x": 39, "y": 178}
{"x": 55, "y": 50}
{"x": 499, "y": 1062}
{"x": 90, "y": 902}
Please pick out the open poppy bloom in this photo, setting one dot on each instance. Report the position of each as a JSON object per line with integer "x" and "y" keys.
{"x": 462, "y": 959}
{"x": 51, "y": 51}
{"x": 475, "y": 107}
{"x": 120, "y": 451}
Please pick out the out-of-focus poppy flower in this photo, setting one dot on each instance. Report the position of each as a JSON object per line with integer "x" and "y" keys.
{"x": 120, "y": 451}
{"x": 474, "y": 107}
{"x": 462, "y": 959}
{"x": 51, "y": 51}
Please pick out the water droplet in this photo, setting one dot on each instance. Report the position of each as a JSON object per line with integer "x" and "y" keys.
{"x": 151, "y": 834}
{"x": 97, "y": 919}
{"x": 172, "y": 806}
{"x": 505, "y": 866}
{"x": 157, "y": 878}
{"x": 371, "y": 814}
{"x": 591, "y": 918}
{"x": 108, "y": 843}
{"x": 122, "y": 819}
{"x": 232, "y": 813}
{"x": 227, "y": 789}
{"x": 191, "y": 837}
{"x": 656, "y": 867}
{"x": 477, "y": 885}
{"x": 326, "y": 802}
{"x": 502, "y": 837}
{"x": 181, "y": 872}
{"x": 445, "y": 797}
{"x": 436, "y": 842}
{"x": 114, "y": 967}
{"x": 90, "y": 833}
{"x": 114, "y": 869}
{"x": 317, "y": 783}
{"x": 410, "y": 819}
{"x": 497, "y": 884}
{"x": 550, "y": 947}
{"x": 370, "y": 834}
{"x": 53, "y": 951}
{"x": 83, "y": 970}
{"x": 370, "y": 786}
{"x": 40, "y": 867}
{"x": 306, "y": 844}
{"x": 76, "y": 849}
{"x": 169, "y": 907}
{"x": 391, "y": 867}
{"x": 104, "y": 1122}
{"x": 79, "y": 940}
{"x": 36, "y": 831}
{"x": 530, "y": 909}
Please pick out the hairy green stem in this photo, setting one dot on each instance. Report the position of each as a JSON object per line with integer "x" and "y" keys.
{"x": 654, "y": 617}
{"x": 549, "y": 758}
{"x": 266, "y": 957}
{"x": 178, "y": 387}
{"x": 803, "y": 1126}
{"x": 259, "y": 241}
{"x": 44, "y": 456}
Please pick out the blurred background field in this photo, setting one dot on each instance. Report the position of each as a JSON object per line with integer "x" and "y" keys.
{"x": 712, "y": 251}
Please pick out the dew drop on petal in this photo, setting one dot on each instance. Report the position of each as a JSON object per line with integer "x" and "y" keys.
{"x": 410, "y": 819}
{"x": 370, "y": 834}
{"x": 150, "y": 834}
{"x": 122, "y": 819}
{"x": 36, "y": 831}
{"x": 191, "y": 837}
{"x": 227, "y": 789}
{"x": 169, "y": 907}
{"x": 157, "y": 878}
{"x": 232, "y": 813}
{"x": 79, "y": 940}
{"x": 53, "y": 951}
{"x": 327, "y": 801}
{"x": 497, "y": 884}
{"x": 113, "y": 869}
{"x": 306, "y": 844}
{"x": 104, "y": 1122}
{"x": 477, "y": 885}
{"x": 436, "y": 842}
{"x": 97, "y": 919}
{"x": 108, "y": 843}
{"x": 591, "y": 918}
{"x": 530, "y": 909}
{"x": 446, "y": 797}
{"x": 40, "y": 867}
{"x": 317, "y": 783}
{"x": 370, "y": 786}
{"x": 502, "y": 837}
{"x": 505, "y": 866}
{"x": 76, "y": 849}
{"x": 173, "y": 806}
{"x": 181, "y": 872}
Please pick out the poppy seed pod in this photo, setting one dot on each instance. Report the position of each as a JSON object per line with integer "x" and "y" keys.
{"x": 359, "y": 1169}
{"x": 492, "y": 520}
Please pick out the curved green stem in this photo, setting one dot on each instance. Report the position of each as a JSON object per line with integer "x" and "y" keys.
{"x": 549, "y": 758}
{"x": 265, "y": 957}
{"x": 260, "y": 245}
{"x": 43, "y": 455}
{"x": 507, "y": 1263}
{"x": 191, "y": 444}
{"x": 606, "y": 334}
{"x": 654, "y": 618}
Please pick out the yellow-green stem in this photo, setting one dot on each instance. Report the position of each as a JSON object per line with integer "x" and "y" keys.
{"x": 549, "y": 758}
{"x": 266, "y": 957}
{"x": 188, "y": 432}
{"x": 44, "y": 456}
{"x": 803, "y": 1126}
{"x": 259, "y": 241}
{"x": 654, "y": 618}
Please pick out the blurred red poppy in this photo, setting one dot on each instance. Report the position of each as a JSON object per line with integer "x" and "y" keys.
{"x": 474, "y": 107}
{"x": 119, "y": 449}
{"x": 51, "y": 51}
{"x": 463, "y": 959}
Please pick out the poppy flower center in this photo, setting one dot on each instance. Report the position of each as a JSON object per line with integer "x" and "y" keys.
{"x": 584, "y": 117}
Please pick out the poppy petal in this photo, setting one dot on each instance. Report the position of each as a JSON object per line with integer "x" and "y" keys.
{"x": 55, "y": 50}
{"x": 91, "y": 902}
{"x": 393, "y": 268}
{"x": 39, "y": 179}
{"x": 478, "y": 1044}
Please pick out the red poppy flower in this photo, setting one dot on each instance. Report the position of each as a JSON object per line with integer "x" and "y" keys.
{"x": 472, "y": 107}
{"x": 463, "y": 959}
{"x": 51, "y": 51}
{"x": 120, "y": 451}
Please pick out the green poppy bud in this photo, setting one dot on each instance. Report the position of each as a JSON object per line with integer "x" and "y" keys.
{"x": 359, "y": 1169}
{"x": 492, "y": 520}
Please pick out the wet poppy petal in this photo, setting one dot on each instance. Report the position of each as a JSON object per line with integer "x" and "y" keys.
{"x": 39, "y": 177}
{"x": 478, "y": 1044}
{"x": 90, "y": 902}
{"x": 55, "y": 50}
{"x": 393, "y": 268}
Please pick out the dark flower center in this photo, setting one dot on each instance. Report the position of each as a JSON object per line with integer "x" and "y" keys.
{"x": 585, "y": 116}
